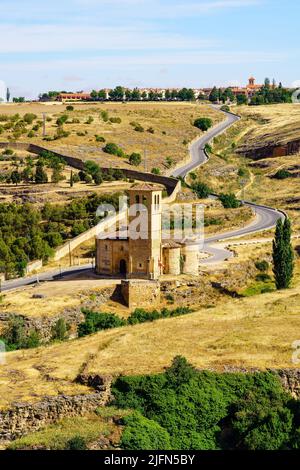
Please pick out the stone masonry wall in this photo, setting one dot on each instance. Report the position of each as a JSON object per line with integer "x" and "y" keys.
{"x": 24, "y": 418}
{"x": 44, "y": 324}
{"x": 140, "y": 293}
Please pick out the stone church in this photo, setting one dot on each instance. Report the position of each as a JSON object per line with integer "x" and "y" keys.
{"x": 147, "y": 257}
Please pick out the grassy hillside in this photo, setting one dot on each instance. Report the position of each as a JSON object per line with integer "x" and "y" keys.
{"x": 248, "y": 332}
{"x": 161, "y": 129}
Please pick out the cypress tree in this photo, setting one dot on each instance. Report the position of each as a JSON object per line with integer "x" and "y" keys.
{"x": 283, "y": 256}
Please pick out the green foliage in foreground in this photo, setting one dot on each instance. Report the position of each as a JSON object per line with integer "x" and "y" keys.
{"x": 15, "y": 336}
{"x": 97, "y": 321}
{"x": 187, "y": 409}
{"x": 67, "y": 434}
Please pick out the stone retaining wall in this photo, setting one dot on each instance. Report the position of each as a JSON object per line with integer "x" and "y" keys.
{"x": 24, "y": 418}
{"x": 270, "y": 150}
{"x": 44, "y": 324}
{"x": 169, "y": 182}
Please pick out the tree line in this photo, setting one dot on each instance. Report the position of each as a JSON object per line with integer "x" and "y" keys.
{"x": 28, "y": 233}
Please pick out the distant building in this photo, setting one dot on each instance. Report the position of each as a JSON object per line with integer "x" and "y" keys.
{"x": 73, "y": 97}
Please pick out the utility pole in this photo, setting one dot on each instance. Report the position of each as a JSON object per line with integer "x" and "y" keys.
{"x": 44, "y": 124}
{"x": 70, "y": 254}
{"x": 145, "y": 160}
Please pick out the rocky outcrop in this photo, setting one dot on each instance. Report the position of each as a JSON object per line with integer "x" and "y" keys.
{"x": 72, "y": 316}
{"x": 24, "y": 418}
{"x": 258, "y": 151}
{"x": 290, "y": 379}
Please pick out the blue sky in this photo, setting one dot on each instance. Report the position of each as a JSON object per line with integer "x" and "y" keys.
{"x": 85, "y": 44}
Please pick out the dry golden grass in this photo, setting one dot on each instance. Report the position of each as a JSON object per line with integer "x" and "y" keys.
{"x": 227, "y": 171}
{"x": 172, "y": 124}
{"x": 249, "y": 332}
{"x": 58, "y": 296}
{"x": 276, "y": 123}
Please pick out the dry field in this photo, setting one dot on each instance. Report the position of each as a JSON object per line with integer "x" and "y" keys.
{"x": 228, "y": 171}
{"x": 249, "y": 332}
{"x": 256, "y": 331}
{"x": 172, "y": 124}
{"x": 276, "y": 123}
{"x": 58, "y": 193}
{"x": 57, "y": 296}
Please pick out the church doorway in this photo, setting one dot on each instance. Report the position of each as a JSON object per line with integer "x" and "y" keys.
{"x": 123, "y": 266}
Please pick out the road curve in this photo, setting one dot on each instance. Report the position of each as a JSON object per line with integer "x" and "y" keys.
{"x": 51, "y": 275}
{"x": 265, "y": 217}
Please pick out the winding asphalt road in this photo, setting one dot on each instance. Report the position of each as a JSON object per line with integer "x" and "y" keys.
{"x": 265, "y": 217}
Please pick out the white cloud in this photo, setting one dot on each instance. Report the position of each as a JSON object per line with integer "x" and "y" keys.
{"x": 59, "y": 38}
{"x": 102, "y": 63}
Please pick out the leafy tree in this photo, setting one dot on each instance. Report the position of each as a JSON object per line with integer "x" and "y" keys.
{"x": 102, "y": 95}
{"x": 201, "y": 189}
{"x": 283, "y": 255}
{"x": 142, "y": 433}
{"x": 59, "y": 330}
{"x": 15, "y": 177}
{"x": 29, "y": 118}
{"x": 229, "y": 201}
{"x": 205, "y": 410}
{"x": 203, "y": 123}
{"x": 135, "y": 159}
{"x": 117, "y": 94}
{"x": 214, "y": 95}
{"x": 113, "y": 149}
{"x": 40, "y": 174}
{"x": 241, "y": 100}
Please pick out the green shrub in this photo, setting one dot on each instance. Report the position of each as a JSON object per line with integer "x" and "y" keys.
{"x": 143, "y": 434}
{"x": 282, "y": 174}
{"x": 139, "y": 128}
{"x": 99, "y": 138}
{"x": 70, "y": 108}
{"x": 76, "y": 443}
{"x": 203, "y": 123}
{"x": 155, "y": 171}
{"x": 95, "y": 321}
{"x": 263, "y": 277}
{"x": 115, "y": 120}
{"x": 204, "y": 410}
{"x": 229, "y": 201}
{"x": 89, "y": 120}
{"x": 113, "y": 149}
{"x": 104, "y": 116}
{"x": 59, "y": 330}
{"x": 225, "y": 108}
{"x": 135, "y": 159}
{"x": 29, "y": 118}
{"x": 262, "y": 266}
{"x": 201, "y": 189}
{"x": 8, "y": 152}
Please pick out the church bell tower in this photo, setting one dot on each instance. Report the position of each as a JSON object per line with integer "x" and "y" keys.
{"x": 144, "y": 231}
